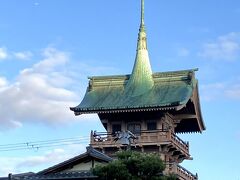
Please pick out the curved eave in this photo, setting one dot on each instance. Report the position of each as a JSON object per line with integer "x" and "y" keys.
{"x": 189, "y": 118}
{"x": 105, "y": 111}
{"x": 196, "y": 101}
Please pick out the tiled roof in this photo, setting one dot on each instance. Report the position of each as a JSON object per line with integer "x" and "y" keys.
{"x": 56, "y": 176}
{"x": 97, "y": 154}
{"x": 90, "y": 152}
{"x": 55, "y": 172}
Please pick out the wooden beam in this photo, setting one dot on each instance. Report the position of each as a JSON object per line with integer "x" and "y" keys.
{"x": 185, "y": 116}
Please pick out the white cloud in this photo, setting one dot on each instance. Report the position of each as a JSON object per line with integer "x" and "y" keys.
{"x": 22, "y": 55}
{"x": 54, "y": 156}
{"x": 228, "y": 90}
{"x": 3, "y": 82}
{"x": 44, "y": 92}
{"x": 225, "y": 47}
{"x": 53, "y": 59}
{"x": 39, "y": 93}
{"x": 3, "y": 53}
{"x": 212, "y": 91}
{"x": 25, "y": 55}
{"x": 38, "y": 162}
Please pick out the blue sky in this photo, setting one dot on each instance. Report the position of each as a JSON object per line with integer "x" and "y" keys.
{"x": 48, "y": 48}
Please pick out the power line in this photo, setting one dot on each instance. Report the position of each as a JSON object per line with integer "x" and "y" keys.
{"x": 36, "y": 145}
{"x": 12, "y": 144}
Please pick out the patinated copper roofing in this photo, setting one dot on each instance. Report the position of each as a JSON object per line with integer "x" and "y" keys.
{"x": 142, "y": 90}
{"x": 108, "y": 93}
{"x": 140, "y": 80}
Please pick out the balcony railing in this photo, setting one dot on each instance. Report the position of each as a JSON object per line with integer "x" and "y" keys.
{"x": 185, "y": 174}
{"x": 181, "y": 172}
{"x": 154, "y": 137}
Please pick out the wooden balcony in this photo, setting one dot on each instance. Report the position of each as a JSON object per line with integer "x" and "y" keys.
{"x": 166, "y": 139}
{"x": 182, "y": 173}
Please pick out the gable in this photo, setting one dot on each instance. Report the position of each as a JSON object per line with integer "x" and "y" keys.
{"x": 85, "y": 166}
{"x": 82, "y": 162}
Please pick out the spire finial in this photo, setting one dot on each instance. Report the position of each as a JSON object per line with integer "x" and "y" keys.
{"x": 141, "y": 80}
{"x": 142, "y": 43}
{"x": 142, "y": 12}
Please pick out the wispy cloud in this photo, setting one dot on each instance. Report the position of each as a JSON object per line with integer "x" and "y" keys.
{"x": 39, "y": 161}
{"x": 36, "y": 4}
{"x": 21, "y": 55}
{"x": 3, "y": 53}
{"x": 226, "y": 47}
{"x": 211, "y": 91}
{"x": 25, "y": 55}
{"x": 234, "y": 91}
{"x": 214, "y": 91}
{"x": 183, "y": 52}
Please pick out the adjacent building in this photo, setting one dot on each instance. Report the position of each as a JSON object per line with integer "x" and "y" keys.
{"x": 76, "y": 168}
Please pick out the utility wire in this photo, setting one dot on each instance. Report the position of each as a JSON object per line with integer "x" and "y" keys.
{"x": 40, "y": 147}
{"x": 12, "y": 144}
{"x": 35, "y": 145}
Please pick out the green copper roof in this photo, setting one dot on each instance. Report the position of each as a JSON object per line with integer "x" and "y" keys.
{"x": 141, "y": 78}
{"x": 141, "y": 89}
{"x": 107, "y": 93}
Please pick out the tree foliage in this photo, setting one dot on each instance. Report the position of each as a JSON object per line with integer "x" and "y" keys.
{"x": 133, "y": 166}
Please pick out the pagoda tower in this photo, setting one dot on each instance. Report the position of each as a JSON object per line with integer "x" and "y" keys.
{"x": 144, "y": 111}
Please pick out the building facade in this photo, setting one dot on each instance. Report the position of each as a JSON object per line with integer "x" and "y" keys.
{"x": 144, "y": 111}
{"x": 76, "y": 168}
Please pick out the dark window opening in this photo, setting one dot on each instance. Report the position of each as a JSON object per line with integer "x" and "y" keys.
{"x": 151, "y": 126}
{"x": 105, "y": 126}
{"x": 134, "y": 128}
{"x": 116, "y": 128}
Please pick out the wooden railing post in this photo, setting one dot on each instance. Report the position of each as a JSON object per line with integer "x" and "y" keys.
{"x": 91, "y": 138}
{"x": 169, "y": 135}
